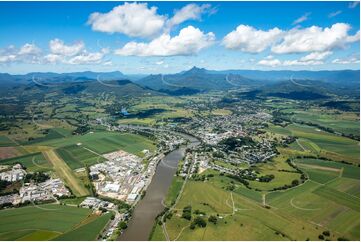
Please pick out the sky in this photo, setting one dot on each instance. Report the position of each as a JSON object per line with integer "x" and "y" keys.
{"x": 168, "y": 37}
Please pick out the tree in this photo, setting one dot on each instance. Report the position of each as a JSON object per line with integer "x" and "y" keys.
{"x": 123, "y": 225}
{"x": 295, "y": 182}
{"x": 200, "y": 222}
{"x": 212, "y": 219}
{"x": 187, "y": 212}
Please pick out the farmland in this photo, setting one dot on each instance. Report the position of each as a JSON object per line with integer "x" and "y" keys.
{"x": 48, "y": 222}
{"x": 322, "y": 143}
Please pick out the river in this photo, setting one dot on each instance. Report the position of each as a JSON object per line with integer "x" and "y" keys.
{"x": 147, "y": 209}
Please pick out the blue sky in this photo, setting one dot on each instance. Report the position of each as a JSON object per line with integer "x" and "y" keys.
{"x": 167, "y": 37}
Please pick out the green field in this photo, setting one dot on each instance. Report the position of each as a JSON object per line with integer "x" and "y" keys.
{"x": 322, "y": 143}
{"x": 76, "y": 156}
{"x": 347, "y": 123}
{"x": 105, "y": 142}
{"x": 5, "y": 141}
{"x": 240, "y": 218}
{"x": 329, "y": 200}
{"x": 49, "y": 221}
{"x": 89, "y": 231}
{"x": 33, "y": 162}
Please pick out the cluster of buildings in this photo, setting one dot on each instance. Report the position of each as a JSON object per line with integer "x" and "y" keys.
{"x": 123, "y": 176}
{"x": 45, "y": 191}
{"x": 16, "y": 173}
{"x": 48, "y": 190}
{"x": 95, "y": 203}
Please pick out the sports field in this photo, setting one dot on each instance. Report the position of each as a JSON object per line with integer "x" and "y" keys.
{"x": 47, "y": 222}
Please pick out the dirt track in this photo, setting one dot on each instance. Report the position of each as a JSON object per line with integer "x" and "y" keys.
{"x": 65, "y": 173}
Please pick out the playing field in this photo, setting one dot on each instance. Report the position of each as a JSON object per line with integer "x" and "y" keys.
{"x": 46, "y": 222}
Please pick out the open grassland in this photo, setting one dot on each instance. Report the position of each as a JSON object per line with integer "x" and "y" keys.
{"x": 40, "y": 223}
{"x": 77, "y": 156}
{"x": 105, "y": 142}
{"x": 322, "y": 143}
{"x": 66, "y": 174}
{"x": 33, "y": 162}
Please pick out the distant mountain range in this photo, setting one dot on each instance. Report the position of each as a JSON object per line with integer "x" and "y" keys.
{"x": 345, "y": 82}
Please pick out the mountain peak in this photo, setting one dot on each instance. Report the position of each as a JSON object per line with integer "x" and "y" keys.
{"x": 196, "y": 70}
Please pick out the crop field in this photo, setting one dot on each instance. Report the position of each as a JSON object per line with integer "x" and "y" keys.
{"x": 327, "y": 144}
{"x": 105, "y": 142}
{"x": 329, "y": 198}
{"x": 347, "y": 123}
{"x": 77, "y": 156}
{"x": 46, "y": 222}
{"x": 33, "y": 162}
{"x": 87, "y": 231}
{"x": 5, "y": 141}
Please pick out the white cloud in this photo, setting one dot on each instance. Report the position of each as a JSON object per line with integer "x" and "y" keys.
{"x": 316, "y": 56}
{"x": 248, "y": 39}
{"x": 301, "y": 63}
{"x": 53, "y": 58}
{"x": 7, "y": 58}
{"x": 132, "y": 19}
{"x": 315, "y": 39}
{"x": 86, "y": 58}
{"x": 29, "y": 49}
{"x": 190, "y": 11}
{"x": 28, "y": 53}
{"x": 334, "y": 14}
{"x": 301, "y": 19}
{"x": 189, "y": 41}
{"x": 348, "y": 60}
{"x": 159, "y": 62}
{"x": 353, "y": 4}
{"x": 270, "y": 62}
{"x": 58, "y": 47}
